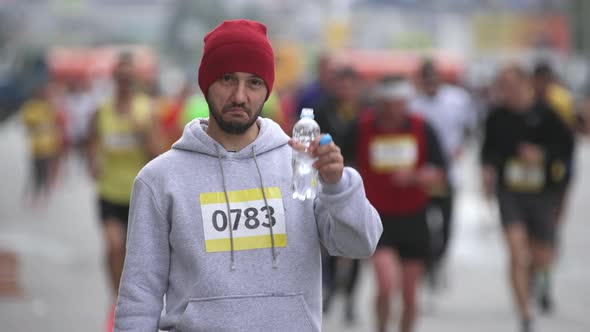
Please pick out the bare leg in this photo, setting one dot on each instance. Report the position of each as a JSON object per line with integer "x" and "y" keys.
{"x": 517, "y": 242}
{"x": 386, "y": 264}
{"x": 114, "y": 233}
{"x": 412, "y": 271}
{"x": 543, "y": 254}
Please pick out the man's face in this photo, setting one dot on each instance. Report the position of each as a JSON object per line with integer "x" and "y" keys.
{"x": 235, "y": 101}
{"x": 541, "y": 83}
{"x": 346, "y": 89}
{"x": 430, "y": 83}
{"x": 513, "y": 87}
{"x": 124, "y": 75}
{"x": 393, "y": 108}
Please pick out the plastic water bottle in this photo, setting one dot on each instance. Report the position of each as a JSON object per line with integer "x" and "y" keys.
{"x": 305, "y": 177}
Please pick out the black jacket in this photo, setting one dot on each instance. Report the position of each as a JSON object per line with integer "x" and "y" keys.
{"x": 505, "y": 130}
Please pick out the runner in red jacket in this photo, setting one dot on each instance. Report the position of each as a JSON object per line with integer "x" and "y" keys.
{"x": 400, "y": 159}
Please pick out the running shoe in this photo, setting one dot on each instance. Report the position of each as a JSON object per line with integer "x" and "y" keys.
{"x": 546, "y": 303}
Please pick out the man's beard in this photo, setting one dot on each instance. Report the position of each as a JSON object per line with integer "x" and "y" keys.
{"x": 233, "y": 127}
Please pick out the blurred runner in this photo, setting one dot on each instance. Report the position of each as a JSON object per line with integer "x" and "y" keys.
{"x": 400, "y": 160}
{"x": 449, "y": 110}
{"x": 80, "y": 103}
{"x": 121, "y": 142}
{"x": 339, "y": 116}
{"x": 42, "y": 122}
{"x": 524, "y": 155}
{"x": 313, "y": 93}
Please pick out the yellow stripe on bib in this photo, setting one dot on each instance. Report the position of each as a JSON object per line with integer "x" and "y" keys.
{"x": 240, "y": 195}
{"x": 245, "y": 243}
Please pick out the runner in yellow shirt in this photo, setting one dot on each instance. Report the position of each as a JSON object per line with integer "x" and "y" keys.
{"x": 41, "y": 121}
{"x": 120, "y": 144}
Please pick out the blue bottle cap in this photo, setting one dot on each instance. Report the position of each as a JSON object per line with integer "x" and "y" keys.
{"x": 325, "y": 139}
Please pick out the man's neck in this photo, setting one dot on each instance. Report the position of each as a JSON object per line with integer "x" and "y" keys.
{"x": 525, "y": 103}
{"x": 123, "y": 96}
{"x": 232, "y": 142}
{"x": 393, "y": 123}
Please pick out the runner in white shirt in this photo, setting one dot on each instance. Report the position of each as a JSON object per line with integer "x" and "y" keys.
{"x": 449, "y": 110}
{"x": 81, "y": 102}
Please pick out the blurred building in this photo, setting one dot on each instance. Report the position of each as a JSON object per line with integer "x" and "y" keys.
{"x": 481, "y": 31}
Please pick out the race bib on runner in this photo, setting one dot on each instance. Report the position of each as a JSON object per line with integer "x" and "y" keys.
{"x": 391, "y": 153}
{"x": 521, "y": 177}
{"x": 249, "y": 219}
{"x": 121, "y": 141}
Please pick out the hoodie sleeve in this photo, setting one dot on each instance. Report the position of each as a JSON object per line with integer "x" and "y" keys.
{"x": 145, "y": 275}
{"x": 347, "y": 223}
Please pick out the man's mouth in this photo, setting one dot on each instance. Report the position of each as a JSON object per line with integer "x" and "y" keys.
{"x": 235, "y": 110}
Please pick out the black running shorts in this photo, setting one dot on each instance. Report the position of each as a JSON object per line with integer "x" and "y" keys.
{"x": 537, "y": 212}
{"x": 110, "y": 211}
{"x": 408, "y": 235}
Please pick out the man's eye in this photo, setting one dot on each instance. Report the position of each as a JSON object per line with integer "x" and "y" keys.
{"x": 256, "y": 82}
{"x": 227, "y": 78}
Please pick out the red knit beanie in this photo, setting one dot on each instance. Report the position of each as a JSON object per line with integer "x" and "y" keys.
{"x": 237, "y": 46}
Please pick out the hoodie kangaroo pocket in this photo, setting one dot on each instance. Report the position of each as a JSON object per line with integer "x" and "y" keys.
{"x": 264, "y": 312}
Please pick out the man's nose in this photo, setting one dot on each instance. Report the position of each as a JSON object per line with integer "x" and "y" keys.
{"x": 239, "y": 93}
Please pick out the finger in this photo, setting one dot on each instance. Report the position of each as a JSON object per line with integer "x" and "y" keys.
{"x": 320, "y": 140}
{"x": 328, "y": 159}
{"x": 314, "y": 145}
{"x": 326, "y": 149}
{"x": 296, "y": 145}
{"x": 331, "y": 172}
{"x": 333, "y": 158}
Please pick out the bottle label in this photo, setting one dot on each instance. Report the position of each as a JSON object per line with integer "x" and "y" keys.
{"x": 249, "y": 219}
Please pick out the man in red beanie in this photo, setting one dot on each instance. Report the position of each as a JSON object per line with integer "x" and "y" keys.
{"x": 213, "y": 226}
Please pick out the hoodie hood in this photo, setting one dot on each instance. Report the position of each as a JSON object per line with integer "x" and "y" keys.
{"x": 195, "y": 138}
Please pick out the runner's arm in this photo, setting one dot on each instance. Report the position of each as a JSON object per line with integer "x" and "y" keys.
{"x": 92, "y": 143}
{"x": 559, "y": 138}
{"x": 433, "y": 174}
{"x": 150, "y": 134}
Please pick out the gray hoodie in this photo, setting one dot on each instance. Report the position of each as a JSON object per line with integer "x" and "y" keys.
{"x": 262, "y": 273}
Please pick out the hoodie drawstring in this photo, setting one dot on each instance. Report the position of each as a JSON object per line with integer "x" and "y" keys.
{"x": 232, "y": 265}
{"x": 231, "y": 233}
{"x": 272, "y": 236}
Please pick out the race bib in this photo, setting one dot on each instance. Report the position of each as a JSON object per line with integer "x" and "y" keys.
{"x": 391, "y": 153}
{"x": 122, "y": 141}
{"x": 249, "y": 219}
{"x": 44, "y": 128}
{"x": 521, "y": 177}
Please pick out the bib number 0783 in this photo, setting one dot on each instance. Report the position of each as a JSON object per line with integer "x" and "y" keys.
{"x": 251, "y": 221}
